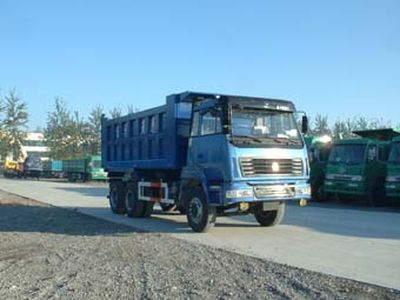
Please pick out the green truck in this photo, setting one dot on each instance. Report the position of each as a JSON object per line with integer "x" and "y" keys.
{"x": 392, "y": 185}
{"x": 357, "y": 167}
{"x": 318, "y": 148}
{"x": 84, "y": 169}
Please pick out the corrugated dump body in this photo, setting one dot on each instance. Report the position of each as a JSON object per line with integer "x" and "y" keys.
{"x": 57, "y": 165}
{"x": 151, "y": 139}
{"x": 74, "y": 165}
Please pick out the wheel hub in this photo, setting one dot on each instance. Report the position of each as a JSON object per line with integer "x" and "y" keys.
{"x": 196, "y": 209}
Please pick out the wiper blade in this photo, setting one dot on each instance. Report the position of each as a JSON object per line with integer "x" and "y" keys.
{"x": 249, "y": 137}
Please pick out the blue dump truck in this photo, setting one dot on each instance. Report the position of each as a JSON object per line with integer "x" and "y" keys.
{"x": 209, "y": 155}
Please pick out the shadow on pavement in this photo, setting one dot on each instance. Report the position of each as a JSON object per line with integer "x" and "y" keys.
{"x": 48, "y": 219}
{"x": 91, "y": 191}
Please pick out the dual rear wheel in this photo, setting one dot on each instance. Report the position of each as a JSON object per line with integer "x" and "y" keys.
{"x": 124, "y": 199}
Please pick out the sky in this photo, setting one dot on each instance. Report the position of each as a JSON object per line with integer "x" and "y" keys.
{"x": 338, "y": 58}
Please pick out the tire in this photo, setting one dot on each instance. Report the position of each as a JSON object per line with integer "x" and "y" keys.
{"x": 116, "y": 197}
{"x": 317, "y": 192}
{"x": 376, "y": 196}
{"x": 147, "y": 209}
{"x": 181, "y": 209}
{"x": 200, "y": 216}
{"x": 134, "y": 207}
{"x": 270, "y": 217}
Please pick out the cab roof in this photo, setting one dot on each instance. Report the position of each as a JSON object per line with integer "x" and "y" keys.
{"x": 386, "y": 134}
{"x": 236, "y": 99}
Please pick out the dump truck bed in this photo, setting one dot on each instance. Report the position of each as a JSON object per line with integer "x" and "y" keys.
{"x": 152, "y": 139}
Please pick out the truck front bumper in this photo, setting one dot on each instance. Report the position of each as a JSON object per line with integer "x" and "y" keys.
{"x": 347, "y": 187}
{"x": 261, "y": 192}
{"x": 392, "y": 189}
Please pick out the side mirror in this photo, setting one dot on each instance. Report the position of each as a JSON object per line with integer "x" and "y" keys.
{"x": 304, "y": 124}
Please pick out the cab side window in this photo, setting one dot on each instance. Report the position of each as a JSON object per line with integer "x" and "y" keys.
{"x": 210, "y": 122}
{"x": 372, "y": 153}
{"x": 383, "y": 153}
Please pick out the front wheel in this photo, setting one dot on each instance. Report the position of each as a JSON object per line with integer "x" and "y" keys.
{"x": 201, "y": 217}
{"x": 270, "y": 217}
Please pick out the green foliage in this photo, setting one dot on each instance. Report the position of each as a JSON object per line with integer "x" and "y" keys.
{"x": 12, "y": 124}
{"x": 321, "y": 126}
{"x": 60, "y": 132}
{"x": 94, "y": 127}
{"x": 343, "y": 129}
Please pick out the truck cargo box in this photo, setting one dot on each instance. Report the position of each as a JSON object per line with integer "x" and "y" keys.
{"x": 56, "y": 165}
{"x": 74, "y": 165}
{"x": 152, "y": 139}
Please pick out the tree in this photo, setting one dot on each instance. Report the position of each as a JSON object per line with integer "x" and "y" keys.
{"x": 13, "y": 125}
{"x": 132, "y": 109}
{"x": 321, "y": 126}
{"x": 343, "y": 129}
{"x": 94, "y": 127}
{"x": 59, "y": 130}
{"x": 116, "y": 112}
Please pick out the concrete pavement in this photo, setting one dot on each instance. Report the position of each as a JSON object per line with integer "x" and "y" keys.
{"x": 362, "y": 245}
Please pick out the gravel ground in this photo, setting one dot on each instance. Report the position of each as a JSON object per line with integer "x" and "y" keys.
{"x": 48, "y": 252}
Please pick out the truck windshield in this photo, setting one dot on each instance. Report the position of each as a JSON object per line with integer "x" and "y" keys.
{"x": 264, "y": 127}
{"x": 349, "y": 154}
{"x": 96, "y": 164}
{"x": 394, "y": 156}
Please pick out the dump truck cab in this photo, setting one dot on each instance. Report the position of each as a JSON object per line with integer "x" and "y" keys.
{"x": 95, "y": 169}
{"x": 357, "y": 167}
{"x": 392, "y": 184}
{"x": 244, "y": 149}
{"x": 319, "y": 148}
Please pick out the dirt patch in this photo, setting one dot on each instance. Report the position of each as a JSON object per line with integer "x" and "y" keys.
{"x": 48, "y": 252}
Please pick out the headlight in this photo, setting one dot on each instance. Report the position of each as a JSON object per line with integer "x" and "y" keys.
{"x": 356, "y": 178}
{"x": 239, "y": 193}
{"x": 391, "y": 179}
{"x": 353, "y": 185}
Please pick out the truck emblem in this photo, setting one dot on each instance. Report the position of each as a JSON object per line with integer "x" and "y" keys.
{"x": 275, "y": 167}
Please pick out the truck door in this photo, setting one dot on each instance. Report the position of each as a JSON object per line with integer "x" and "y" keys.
{"x": 207, "y": 147}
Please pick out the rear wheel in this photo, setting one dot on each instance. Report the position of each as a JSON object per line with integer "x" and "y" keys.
{"x": 270, "y": 217}
{"x": 147, "y": 209}
{"x": 117, "y": 193}
{"x": 201, "y": 217}
{"x": 134, "y": 207}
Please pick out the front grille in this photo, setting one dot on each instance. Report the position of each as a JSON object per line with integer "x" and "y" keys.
{"x": 252, "y": 167}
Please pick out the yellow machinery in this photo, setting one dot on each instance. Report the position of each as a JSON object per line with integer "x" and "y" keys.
{"x": 13, "y": 168}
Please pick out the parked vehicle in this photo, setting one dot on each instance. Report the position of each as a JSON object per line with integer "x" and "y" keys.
{"x": 47, "y": 173}
{"x": 209, "y": 155}
{"x": 393, "y": 171}
{"x": 84, "y": 169}
{"x": 33, "y": 167}
{"x": 319, "y": 148}
{"x": 57, "y": 168}
{"x": 357, "y": 167}
{"x": 12, "y": 169}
